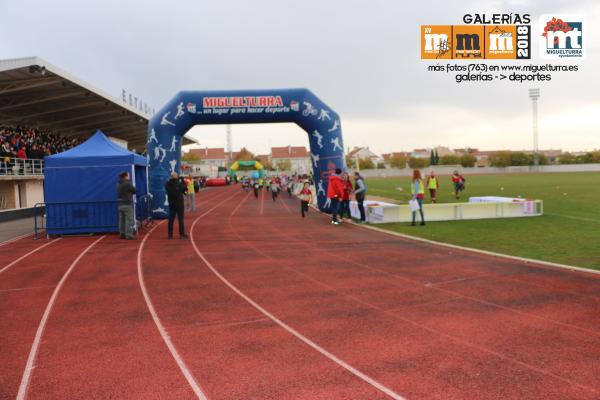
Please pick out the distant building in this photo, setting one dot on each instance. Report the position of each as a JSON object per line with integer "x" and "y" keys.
{"x": 421, "y": 153}
{"x": 296, "y": 155}
{"x": 359, "y": 153}
{"x": 264, "y": 159}
{"x": 482, "y": 157}
{"x": 211, "y": 156}
{"x": 442, "y": 151}
{"x": 388, "y": 156}
{"x": 464, "y": 151}
{"x": 552, "y": 155}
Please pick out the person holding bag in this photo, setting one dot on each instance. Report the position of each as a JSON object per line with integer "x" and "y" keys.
{"x": 417, "y": 189}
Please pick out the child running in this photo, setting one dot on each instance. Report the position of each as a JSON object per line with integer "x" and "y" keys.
{"x": 255, "y": 187}
{"x": 305, "y": 198}
{"x": 459, "y": 183}
{"x": 274, "y": 189}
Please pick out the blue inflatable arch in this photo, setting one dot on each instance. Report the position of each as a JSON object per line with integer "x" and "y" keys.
{"x": 190, "y": 108}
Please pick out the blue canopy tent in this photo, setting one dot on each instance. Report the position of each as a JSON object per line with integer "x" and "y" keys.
{"x": 80, "y": 186}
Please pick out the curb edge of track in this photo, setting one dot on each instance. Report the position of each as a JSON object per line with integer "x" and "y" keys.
{"x": 471, "y": 249}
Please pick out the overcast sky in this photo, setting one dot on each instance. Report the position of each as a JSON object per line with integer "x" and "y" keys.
{"x": 361, "y": 57}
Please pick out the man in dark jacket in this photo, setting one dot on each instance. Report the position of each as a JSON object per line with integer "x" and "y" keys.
{"x": 335, "y": 192}
{"x": 176, "y": 191}
{"x": 125, "y": 192}
{"x": 360, "y": 192}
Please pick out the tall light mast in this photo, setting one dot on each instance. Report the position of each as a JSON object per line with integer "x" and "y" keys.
{"x": 534, "y": 95}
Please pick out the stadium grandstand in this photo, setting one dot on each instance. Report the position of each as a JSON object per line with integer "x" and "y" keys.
{"x": 45, "y": 110}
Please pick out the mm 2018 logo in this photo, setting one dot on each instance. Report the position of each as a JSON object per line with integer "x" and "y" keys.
{"x": 475, "y": 42}
{"x": 561, "y": 36}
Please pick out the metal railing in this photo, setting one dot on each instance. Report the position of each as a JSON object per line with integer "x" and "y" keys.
{"x": 17, "y": 166}
{"x": 143, "y": 211}
{"x": 86, "y": 216}
{"x": 39, "y": 211}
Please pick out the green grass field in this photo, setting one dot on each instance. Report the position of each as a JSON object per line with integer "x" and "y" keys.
{"x": 568, "y": 232}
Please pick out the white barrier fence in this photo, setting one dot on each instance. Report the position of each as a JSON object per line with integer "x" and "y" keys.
{"x": 17, "y": 166}
{"x": 379, "y": 212}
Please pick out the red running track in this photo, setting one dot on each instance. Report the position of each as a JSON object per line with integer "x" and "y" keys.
{"x": 265, "y": 305}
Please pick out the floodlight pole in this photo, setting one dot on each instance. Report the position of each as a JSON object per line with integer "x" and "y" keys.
{"x": 229, "y": 147}
{"x": 534, "y": 95}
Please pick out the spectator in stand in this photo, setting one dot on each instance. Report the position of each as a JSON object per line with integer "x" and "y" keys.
{"x": 432, "y": 185}
{"x": 335, "y": 193}
{"x": 7, "y": 156}
{"x": 360, "y": 193}
{"x": 21, "y": 154}
{"x": 28, "y": 143}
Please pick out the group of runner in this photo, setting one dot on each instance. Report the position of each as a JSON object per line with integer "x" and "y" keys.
{"x": 340, "y": 189}
{"x": 298, "y": 185}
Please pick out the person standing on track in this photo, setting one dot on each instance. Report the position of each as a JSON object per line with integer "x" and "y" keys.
{"x": 305, "y": 198}
{"x": 360, "y": 193}
{"x": 125, "y": 192}
{"x": 417, "y": 188}
{"x": 346, "y": 197}
{"x": 191, "y": 193}
{"x": 255, "y": 187}
{"x": 335, "y": 193}
{"x": 274, "y": 187}
{"x": 175, "y": 194}
{"x": 432, "y": 185}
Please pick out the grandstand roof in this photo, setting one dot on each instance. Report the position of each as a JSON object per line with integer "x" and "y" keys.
{"x": 37, "y": 94}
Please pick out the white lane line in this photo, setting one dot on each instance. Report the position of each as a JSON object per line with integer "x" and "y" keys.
{"x": 40, "y": 331}
{"x": 291, "y": 330}
{"x": 574, "y": 217}
{"x": 161, "y": 329}
{"x": 28, "y": 254}
{"x": 239, "y": 205}
{"x": 25, "y": 288}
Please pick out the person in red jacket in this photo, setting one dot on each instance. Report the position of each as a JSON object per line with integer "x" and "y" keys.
{"x": 335, "y": 193}
{"x": 22, "y": 154}
{"x": 348, "y": 188}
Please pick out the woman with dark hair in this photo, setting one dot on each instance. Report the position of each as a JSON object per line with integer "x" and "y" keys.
{"x": 417, "y": 189}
